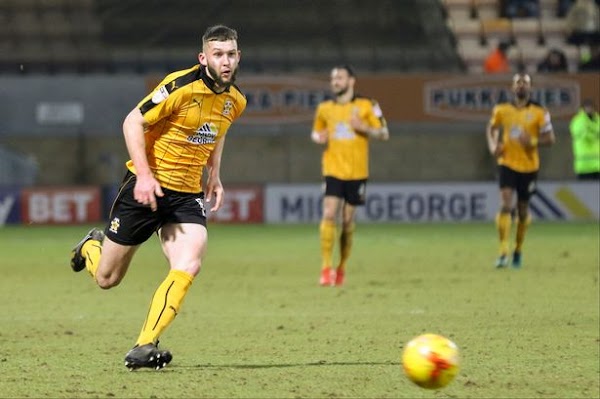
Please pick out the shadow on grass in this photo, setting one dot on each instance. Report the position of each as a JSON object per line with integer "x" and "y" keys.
{"x": 284, "y": 365}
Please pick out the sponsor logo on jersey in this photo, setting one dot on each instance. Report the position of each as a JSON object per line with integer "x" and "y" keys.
{"x": 206, "y": 134}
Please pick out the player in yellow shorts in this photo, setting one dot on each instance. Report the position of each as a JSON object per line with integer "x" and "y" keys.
{"x": 172, "y": 135}
{"x": 514, "y": 133}
{"x": 344, "y": 126}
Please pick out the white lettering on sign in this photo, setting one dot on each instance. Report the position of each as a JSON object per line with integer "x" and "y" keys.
{"x": 59, "y": 113}
{"x": 59, "y": 207}
{"x": 236, "y": 207}
{"x": 387, "y": 203}
{"x": 5, "y": 207}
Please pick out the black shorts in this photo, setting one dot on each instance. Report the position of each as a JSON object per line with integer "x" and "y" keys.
{"x": 354, "y": 192}
{"x": 523, "y": 183}
{"x": 132, "y": 223}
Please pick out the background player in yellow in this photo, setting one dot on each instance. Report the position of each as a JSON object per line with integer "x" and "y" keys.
{"x": 514, "y": 133}
{"x": 344, "y": 125}
{"x": 172, "y": 135}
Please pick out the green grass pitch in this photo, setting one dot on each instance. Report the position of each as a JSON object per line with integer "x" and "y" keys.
{"x": 257, "y": 325}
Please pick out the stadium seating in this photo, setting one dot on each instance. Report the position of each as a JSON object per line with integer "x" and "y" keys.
{"x": 52, "y": 36}
{"x": 478, "y": 26}
{"x": 47, "y": 35}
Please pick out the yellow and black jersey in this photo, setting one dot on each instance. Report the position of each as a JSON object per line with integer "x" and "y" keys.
{"x": 346, "y": 155}
{"x": 531, "y": 119}
{"x": 186, "y": 118}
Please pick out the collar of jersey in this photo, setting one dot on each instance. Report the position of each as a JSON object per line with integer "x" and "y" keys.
{"x": 334, "y": 98}
{"x": 527, "y": 104}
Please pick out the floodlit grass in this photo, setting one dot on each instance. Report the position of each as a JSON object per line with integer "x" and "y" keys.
{"x": 256, "y": 324}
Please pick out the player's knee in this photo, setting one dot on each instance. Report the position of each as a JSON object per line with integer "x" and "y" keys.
{"x": 525, "y": 218}
{"x": 107, "y": 282}
{"x": 328, "y": 216}
{"x": 348, "y": 226}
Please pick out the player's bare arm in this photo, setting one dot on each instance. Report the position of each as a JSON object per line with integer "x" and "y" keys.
{"x": 319, "y": 137}
{"x": 494, "y": 144}
{"x": 147, "y": 187}
{"x": 359, "y": 126}
{"x": 214, "y": 187}
{"x": 546, "y": 136}
{"x": 545, "y": 139}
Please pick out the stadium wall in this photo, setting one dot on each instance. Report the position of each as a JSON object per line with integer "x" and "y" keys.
{"x": 413, "y": 154}
{"x": 71, "y": 125}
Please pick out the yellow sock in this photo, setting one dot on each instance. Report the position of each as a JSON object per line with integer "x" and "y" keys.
{"x": 345, "y": 246}
{"x": 503, "y": 223}
{"x": 327, "y": 232}
{"x": 91, "y": 251}
{"x": 521, "y": 229}
{"x": 165, "y": 305}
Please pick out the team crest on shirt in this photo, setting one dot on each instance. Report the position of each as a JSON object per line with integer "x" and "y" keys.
{"x": 114, "y": 225}
{"x": 205, "y": 134}
{"x": 227, "y": 107}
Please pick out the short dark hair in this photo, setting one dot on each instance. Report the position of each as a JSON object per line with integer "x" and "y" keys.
{"x": 348, "y": 68}
{"x": 588, "y": 102}
{"x": 503, "y": 45}
{"x": 219, "y": 33}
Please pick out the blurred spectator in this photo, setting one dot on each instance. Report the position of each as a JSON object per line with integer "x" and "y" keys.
{"x": 519, "y": 8}
{"x": 555, "y": 61}
{"x": 583, "y": 22}
{"x": 592, "y": 64}
{"x": 585, "y": 137}
{"x": 497, "y": 61}
{"x": 563, "y": 7}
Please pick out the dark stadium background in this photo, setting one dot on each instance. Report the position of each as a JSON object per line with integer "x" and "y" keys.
{"x": 70, "y": 70}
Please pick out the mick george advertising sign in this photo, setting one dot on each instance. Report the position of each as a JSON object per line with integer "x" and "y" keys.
{"x": 301, "y": 203}
{"x": 416, "y": 203}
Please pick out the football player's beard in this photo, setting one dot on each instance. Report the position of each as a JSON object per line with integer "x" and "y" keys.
{"x": 341, "y": 92}
{"x": 522, "y": 94}
{"x": 217, "y": 78}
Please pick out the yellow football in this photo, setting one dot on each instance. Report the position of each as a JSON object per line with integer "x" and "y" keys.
{"x": 431, "y": 361}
